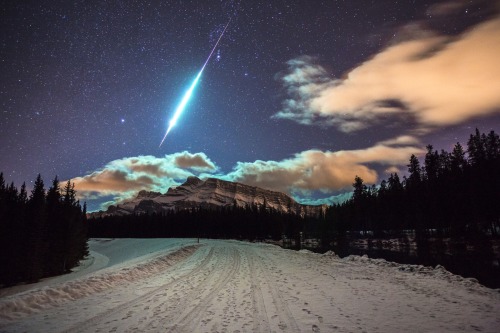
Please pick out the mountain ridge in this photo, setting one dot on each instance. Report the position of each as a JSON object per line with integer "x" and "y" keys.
{"x": 210, "y": 193}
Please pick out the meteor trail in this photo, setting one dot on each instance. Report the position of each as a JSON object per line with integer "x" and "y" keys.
{"x": 189, "y": 92}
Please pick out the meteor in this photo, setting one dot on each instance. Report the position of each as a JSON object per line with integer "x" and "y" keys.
{"x": 189, "y": 92}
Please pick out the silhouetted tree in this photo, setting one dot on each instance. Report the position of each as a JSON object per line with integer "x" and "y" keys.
{"x": 431, "y": 164}
{"x": 415, "y": 172}
{"x": 38, "y": 234}
{"x": 458, "y": 160}
{"x": 476, "y": 149}
{"x": 37, "y": 230}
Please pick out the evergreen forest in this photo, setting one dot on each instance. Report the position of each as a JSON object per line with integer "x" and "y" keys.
{"x": 230, "y": 222}
{"x": 451, "y": 194}
{"x": 43, "y": 234}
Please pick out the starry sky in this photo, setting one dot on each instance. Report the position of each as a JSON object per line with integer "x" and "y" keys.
{"x": 299, "y": 96}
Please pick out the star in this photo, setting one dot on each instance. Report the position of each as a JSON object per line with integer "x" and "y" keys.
{"x": 296, "y": 84}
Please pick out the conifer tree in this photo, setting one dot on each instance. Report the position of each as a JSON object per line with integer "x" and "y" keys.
{"x": 492, "y": 146}
{"x": 360, "y": 190}
{"x": 37, "y": 231}
{"x": 56, "y": 235}
{"x": 415, "y": 171}
{"x": 458, "y": 160}
{"x": 431, "y": 164}
{"x": 394, "y": 183}
{"x": 23, "y": 195}
{"x": 475, "y": 148}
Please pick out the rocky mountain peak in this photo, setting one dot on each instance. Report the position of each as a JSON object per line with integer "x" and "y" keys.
{"x": 192, "y": 181}
{"x": 212, "y": 192}
{"x": 147, "y": 194}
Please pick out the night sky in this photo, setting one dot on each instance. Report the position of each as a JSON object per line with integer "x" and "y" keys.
{"x": 299, "y": 96}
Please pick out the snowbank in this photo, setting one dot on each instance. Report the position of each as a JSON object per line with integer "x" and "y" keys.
{"x": 36, "y": 300}
{"x": 230, "y": 286}
{"x": 439, "y": 271}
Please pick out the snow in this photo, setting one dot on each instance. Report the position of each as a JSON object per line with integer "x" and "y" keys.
{"x": 177, "y": 285}
{"x": 105, "y": 253}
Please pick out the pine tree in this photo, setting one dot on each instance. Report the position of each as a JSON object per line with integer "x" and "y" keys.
{"x": 57, "y": 230}
{"x": 23, "y": 195}
{"x": 415, "y": 171}
{"x": 69, "y": 193}
{"x": 2, "y": 183}
{"x": 444, "y": 163}
{"x": 394, "y": 183}
{"x": 458, "y": 160}
{"x": 54, "y": 192}
{"x": 476, "y": 149}
{"x": 37, "y": 231}
{"x": 360, "y": 190}
{"x": 6, "y": 229}
{"x": 431, "y": 163}
{"x": 492, "y": 146}
{"x": 383, "y": 188}
{"x": 75, "y": 228}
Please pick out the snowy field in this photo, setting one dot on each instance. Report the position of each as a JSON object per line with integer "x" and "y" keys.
{"x": 176, "y": 285}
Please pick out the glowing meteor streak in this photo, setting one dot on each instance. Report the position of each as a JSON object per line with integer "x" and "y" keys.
{"x": 188, "y": 93}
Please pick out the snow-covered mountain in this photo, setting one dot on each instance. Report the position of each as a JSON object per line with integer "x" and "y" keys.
{"x": 210, "y": 193}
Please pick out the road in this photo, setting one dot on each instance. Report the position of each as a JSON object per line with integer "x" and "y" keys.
{"x": 224, "y": 286}
{"x": 229, "y": 286}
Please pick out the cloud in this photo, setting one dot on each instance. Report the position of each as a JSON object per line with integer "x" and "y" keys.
{"x": 198, "y": 161}
{"x": 306, "y": 173}
{"x": 123, "y": 178}
{"x": 446, "y": 8}
{"x": 403, "y": 140}
{"x": 325, "y": 171}
{"x": 334, "y": 199}
{"x": 434, "y": 80}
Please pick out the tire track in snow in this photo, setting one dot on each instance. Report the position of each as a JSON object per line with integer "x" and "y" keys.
{"x": 181, "y": 295}
{"x": 98, "y": 319}
{"x": 166, "y": 305}
{"x": 260, "y": 317}
{"x": 287, "y": 321}
{"x": 188, "y": 322}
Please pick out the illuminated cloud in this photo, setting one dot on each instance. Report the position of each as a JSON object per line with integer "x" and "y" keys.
{"x": 123, "y": 178}
{"x": 198, "y": 161}
{"x": 434, "y": 80}
{"x": 315, "y": 170}
{"x": 306, "y": 172}
{"x": 403, "y": 140}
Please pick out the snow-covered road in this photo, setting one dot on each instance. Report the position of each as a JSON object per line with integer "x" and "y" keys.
{"x": 230, "y": 286}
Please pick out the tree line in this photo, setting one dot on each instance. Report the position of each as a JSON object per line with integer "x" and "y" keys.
{"x": 453, "y": 194}
{"x": 43, "y": 234}
{"x": 252, "y": 222}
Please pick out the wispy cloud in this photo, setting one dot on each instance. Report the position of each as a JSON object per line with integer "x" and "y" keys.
{"x": 403, "y": 140}
{"x": 447, "y": 8}
{"x": 434, "y": 80}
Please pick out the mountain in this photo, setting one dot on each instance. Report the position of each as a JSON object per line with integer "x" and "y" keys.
{"x": 211, "y": 192}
